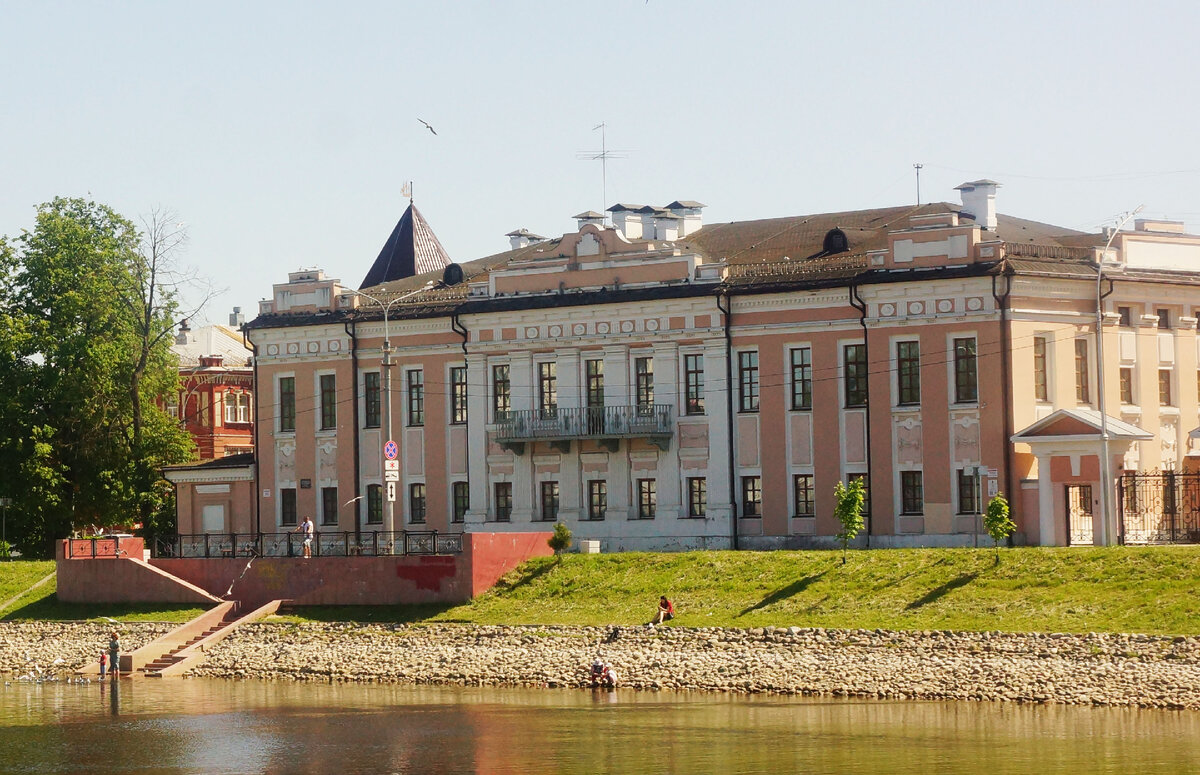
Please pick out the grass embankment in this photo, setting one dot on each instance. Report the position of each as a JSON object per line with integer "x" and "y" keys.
{"x": 22, "y": 598}
{"x": 1135, "y": 589}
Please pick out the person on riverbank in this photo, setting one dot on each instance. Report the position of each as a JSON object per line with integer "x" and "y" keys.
{"x": 307, "y": 527}
{"x": 114, "y": 654}
{"x": 666, "y": 610}
{"x": 103, "y": 663}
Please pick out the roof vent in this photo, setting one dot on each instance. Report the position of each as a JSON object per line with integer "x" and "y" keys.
{"x": 835, "y": 242}
{"x": 453, "y": 275}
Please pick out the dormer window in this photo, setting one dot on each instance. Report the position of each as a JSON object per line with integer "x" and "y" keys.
{"x": 835, "y": 242}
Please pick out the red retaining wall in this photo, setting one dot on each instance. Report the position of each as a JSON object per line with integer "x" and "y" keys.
{"x": 109, "y": 578}
{"x": 324, "y": 580}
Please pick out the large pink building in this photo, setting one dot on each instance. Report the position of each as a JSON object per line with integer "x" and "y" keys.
{"x": 661, "y": 383}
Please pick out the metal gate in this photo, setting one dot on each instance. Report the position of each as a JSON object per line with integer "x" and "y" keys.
{"x": 1159, "y": 507}
{"x": 1079, "y": 514}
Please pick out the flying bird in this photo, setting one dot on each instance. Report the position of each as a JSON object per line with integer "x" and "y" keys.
{"x": 427, "y": 126}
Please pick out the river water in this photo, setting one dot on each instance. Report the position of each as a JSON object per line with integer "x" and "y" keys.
{"x": 211, "y": 726}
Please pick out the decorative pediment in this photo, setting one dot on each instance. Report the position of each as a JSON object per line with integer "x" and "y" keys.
{"x": 1079, "y": 423}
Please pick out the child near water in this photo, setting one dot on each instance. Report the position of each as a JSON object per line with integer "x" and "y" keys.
{"x": 103, "y": 663}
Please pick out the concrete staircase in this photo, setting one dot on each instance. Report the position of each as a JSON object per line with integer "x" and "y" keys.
{"x": 155, "y": 667}
{"x": 179, "y": 651}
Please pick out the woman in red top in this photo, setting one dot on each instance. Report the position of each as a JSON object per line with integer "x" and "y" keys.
{"x": 666, "y": 609}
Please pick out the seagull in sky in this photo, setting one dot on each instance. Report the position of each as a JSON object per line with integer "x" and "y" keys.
{"x": 427, "y": 126}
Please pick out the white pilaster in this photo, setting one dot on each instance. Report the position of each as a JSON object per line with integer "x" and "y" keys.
{"x": 720, "y": 499}
{"x": 666, "y": 391}
{"x": 1045, "y": 502}
{"x": 478, "y": 418}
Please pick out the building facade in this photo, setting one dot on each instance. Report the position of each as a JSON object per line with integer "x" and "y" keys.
{"x": 666, "y": 384}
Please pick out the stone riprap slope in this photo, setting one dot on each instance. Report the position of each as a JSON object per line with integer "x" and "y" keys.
{"x": 1096, "y": 669}
{"x": 26, "y": 645}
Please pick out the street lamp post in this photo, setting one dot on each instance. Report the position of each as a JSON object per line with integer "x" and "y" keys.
{"x": 1108, "y": 525}
{"x": 389, "y": 520}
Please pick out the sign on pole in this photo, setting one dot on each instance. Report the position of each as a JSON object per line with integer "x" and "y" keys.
{"x": 390, "y": 450}
{"x": 391, "y": 465}
{"x": 391, "y": 476}
{"x": 391, "y": 492}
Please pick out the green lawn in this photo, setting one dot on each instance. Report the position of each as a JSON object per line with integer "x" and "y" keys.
{"x": 17, "y": 580}
{"x": 1136, "y": 589}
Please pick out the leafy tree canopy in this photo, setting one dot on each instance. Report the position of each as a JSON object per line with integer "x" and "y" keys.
{"x": 84, "y": 353}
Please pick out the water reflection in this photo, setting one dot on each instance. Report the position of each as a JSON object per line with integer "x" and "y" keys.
{"x": 200, "y": 726}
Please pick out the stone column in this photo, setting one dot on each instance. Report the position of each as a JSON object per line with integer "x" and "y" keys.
{"x": 570, "y": 399}
{"x": 1045, "y": 502}
{"x": 720, "y": 499}
{"x": 666, "y": 391}
{"x": 524, "y": 388}
{"x": 478, "y": 417}
{"x": 617, "y": 394}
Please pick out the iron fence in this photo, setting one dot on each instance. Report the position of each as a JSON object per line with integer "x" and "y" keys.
{"x": 1159, "y": 507}
{"x": 585, "y": 422}
{"x": 324, "y": 544}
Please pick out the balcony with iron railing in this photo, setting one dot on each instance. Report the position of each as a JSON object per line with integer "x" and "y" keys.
{"x": 606, "y": 424}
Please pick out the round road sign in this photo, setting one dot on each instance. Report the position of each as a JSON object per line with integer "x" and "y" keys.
{"x": 390, "y": 450}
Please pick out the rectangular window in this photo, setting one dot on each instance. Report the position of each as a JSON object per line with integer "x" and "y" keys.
{"x": 855, "y": 358}
{"x": 751, "y": 496}
{"x": 501, "y": 393}
{"x": 287, "y": 506}
{"x": 693, "y": 378}
{"x": 1164, "y": 387}
{"x": 1041, "y": 388}
{"x": 416, "y": 397}
{"x": 416, "y": 503}
{"x": 1164, "y": 319}
{"x": 458, "y": 394}
{"x": 548, "y": 387}
{"x": 1126, "y": 317}
{"x": 802, "y": 378}
{"x": 237, "y": 407}
{"x": 462, "y": 501}
{"x": 595, "y": 383}
{"x": 374, "y": 504}
{"x": 804, "y": 499}
{"x": 1126, "y": 385}
{"x": 966, "y": 377}
{"x": 1082, "y": 394}
{"x": 912, "y": 495}
{"x": 502, "y": 494}
{"x": 549, "y": 501}
{"x": 328, "y": 402}
{"x": 647, "y": 498}
{"x": 968, "y": 486}
{"x": 866, "y": 508}
{"x": 597, "y": 499}
{"x": 329, "y": 506}
{"x": 287, "y": 404}
{"x": 371, "y": 399}
{"x": 697, "y": 497}
{"x": 643, "y": 369}
{"x": 748, "y": 381}
{"x": 908, "y": 373}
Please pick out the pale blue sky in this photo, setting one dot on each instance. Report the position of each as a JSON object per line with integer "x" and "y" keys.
{"x": 282, "y": 132}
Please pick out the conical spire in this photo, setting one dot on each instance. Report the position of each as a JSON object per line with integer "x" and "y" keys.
{"x": 411, "y": 249}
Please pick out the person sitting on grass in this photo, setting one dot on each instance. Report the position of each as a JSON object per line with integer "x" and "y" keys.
{"x": 666, "y": 610}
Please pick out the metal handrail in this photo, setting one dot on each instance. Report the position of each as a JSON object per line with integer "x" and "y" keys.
{"x": 341, "y": 543}
{"x": 586, "y": 422}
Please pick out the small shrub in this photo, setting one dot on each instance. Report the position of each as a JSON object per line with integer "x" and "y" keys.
{"x": 561, "y": 538}
{"x": 849, "y": 511}
{"x": 997, "y": 522}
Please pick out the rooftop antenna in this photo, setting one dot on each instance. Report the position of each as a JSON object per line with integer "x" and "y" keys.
{"x": 603, "y": 156}
{"x": 918, "y": 167}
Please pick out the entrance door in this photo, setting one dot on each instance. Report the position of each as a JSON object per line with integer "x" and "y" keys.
{"x": 1079, "y": 514}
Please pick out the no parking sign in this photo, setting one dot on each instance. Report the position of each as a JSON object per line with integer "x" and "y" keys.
{"x": 390, "y": 450}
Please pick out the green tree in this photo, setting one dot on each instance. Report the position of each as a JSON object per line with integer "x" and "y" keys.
{"x": 561, "y": 538}
{"x": 849, "y": 511}
{"x": 997, "y": 521}
{"x": 83, "y": 357}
